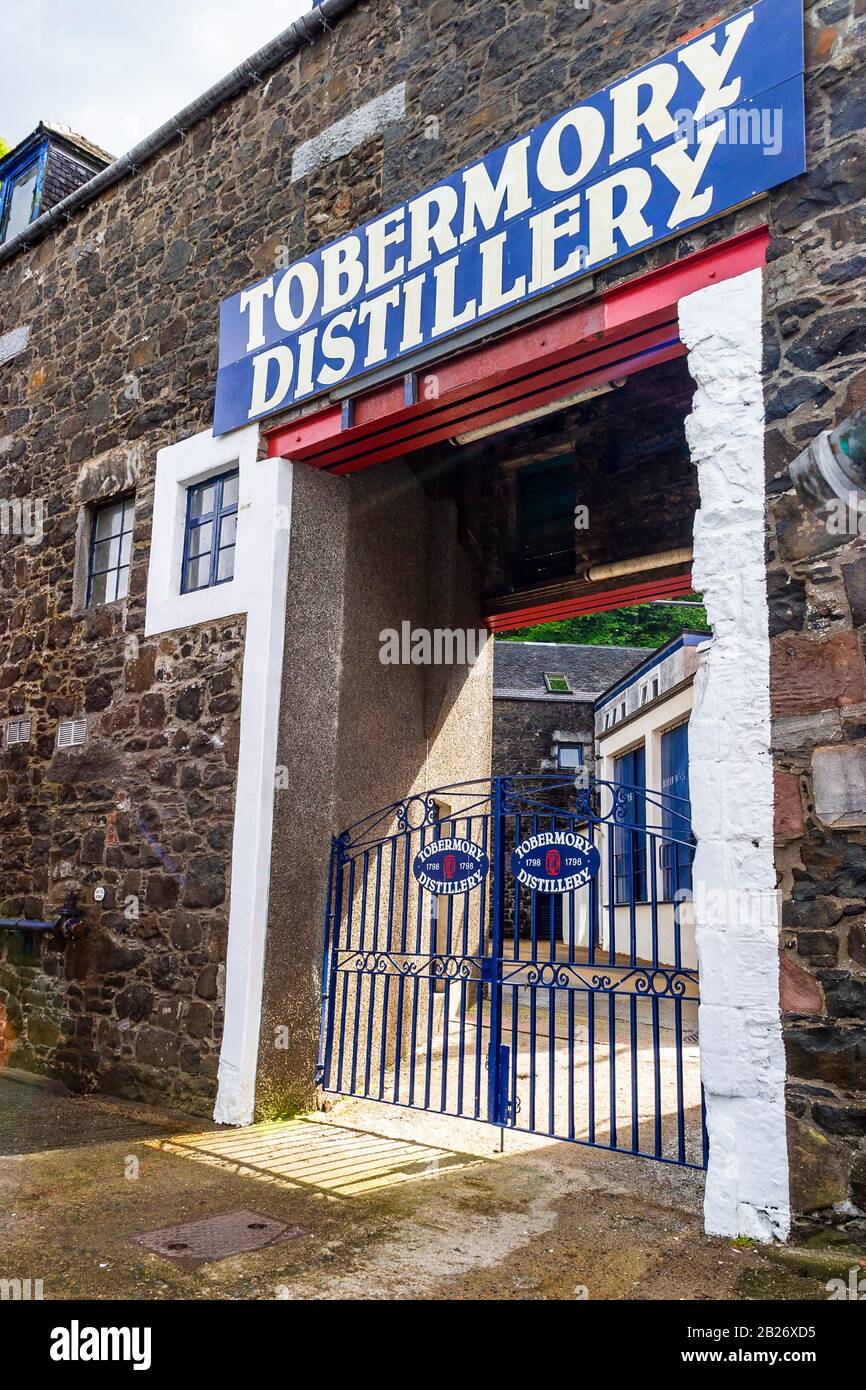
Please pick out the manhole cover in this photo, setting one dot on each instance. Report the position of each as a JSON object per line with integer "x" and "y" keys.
{"x": 218, "y": 1237}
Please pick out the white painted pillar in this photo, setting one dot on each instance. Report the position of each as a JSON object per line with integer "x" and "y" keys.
{"x": 254, "y": 800}
{"x": 258, "y": 590}
{"x": 730, "y": 769}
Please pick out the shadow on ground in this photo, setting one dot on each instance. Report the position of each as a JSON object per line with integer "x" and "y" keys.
{"x": 379, "y": 1208}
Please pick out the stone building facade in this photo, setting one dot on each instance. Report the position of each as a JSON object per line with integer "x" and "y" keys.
{"x": 534, "y": 725}
{"x": 112, "y": 307}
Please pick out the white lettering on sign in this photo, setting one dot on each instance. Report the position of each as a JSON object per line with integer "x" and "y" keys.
{"x": 450, "y": 866}
{"x": 555, "y": 861}
{"x": 637, "y": 162}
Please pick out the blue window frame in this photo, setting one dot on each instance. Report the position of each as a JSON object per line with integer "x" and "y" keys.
{"x": 630, "y": 862}
{"x": 110, "y": 550}
{"x": 21, "y": 191}
{"x": 210, "y": 533}
{"x": 678, "y": 851}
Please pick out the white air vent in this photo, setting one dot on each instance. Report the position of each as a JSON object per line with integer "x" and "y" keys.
{"x": 71, "y": 732}
{"x": 17, "y": 731}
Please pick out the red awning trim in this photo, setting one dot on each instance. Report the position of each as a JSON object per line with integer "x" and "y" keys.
{"x": 623, "y": 331}
{"x": 601, "y": 601}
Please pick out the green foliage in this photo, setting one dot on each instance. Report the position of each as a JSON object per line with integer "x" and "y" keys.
{"x": 643, "y": 625}
{"x": 4, "y": 148}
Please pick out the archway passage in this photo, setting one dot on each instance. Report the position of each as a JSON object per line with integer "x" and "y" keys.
{"x": 582, "y": 503}
{"x": 520, "y": 952}
{"x": 566, "y": 1013}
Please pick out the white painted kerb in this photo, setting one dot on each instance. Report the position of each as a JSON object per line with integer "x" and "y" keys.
{"x": 731, "y": 779}
{"x": 259, "y": 591}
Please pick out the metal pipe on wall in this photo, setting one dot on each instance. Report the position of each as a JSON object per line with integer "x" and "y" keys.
{"x": 304, "y": 30}
{"x": 638, "y": 563}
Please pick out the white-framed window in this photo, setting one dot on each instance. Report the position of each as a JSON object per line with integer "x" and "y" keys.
{"x": 213, "y": 529}
{"x": 17, "y": 731}
{"x": 71, "y": 733}
{"x": 210, "y": 532}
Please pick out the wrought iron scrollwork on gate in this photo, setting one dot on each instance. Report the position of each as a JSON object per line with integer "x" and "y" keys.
{"x": 570, "y": 1013}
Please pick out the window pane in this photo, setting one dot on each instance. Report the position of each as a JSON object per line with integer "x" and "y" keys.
{"x": 123, "y": 582}
{"x": 200, "y": 538}
{"x": 108, "y": 521}
{"x": 21, "y": 203}
{"x": 198, "y": 572}
{"x": 230, "y": 490}
{"x": 98, "y": 588}
{"x": 106, "y": 554}
{"x": 229, "y": 529}
{"x": 226, "y": 563}
{"x": 202, "y": 500}
{"x": 125, "y": 547}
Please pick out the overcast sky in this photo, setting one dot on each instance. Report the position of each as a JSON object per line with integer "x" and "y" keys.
{"x": 114, "y": 70}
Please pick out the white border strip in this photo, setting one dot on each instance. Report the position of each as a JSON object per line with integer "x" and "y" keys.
{"x": 736, "y": 913}
{"x": 259, "y": 590}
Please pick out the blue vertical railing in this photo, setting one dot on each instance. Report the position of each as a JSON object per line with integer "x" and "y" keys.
{"x": 572, "y": 1016}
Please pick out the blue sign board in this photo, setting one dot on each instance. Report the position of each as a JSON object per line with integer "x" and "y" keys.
{"x": 450, "y": 866}
{"x": 555, "y": 861}
{"x": 712, "y": 124}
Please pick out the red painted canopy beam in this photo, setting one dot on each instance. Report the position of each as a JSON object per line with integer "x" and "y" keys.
{"x": 601, "y": 601}
{"x": 630, "y": 327}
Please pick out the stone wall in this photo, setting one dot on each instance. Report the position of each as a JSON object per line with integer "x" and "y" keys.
{"x": 815, "y": 363}
{"x": 524, "y": 733}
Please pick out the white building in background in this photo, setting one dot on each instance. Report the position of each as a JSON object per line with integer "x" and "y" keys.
{"x": 641, "y": 729}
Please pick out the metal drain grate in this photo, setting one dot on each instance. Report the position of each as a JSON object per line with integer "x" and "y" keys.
{"x": 217, "y": 1237}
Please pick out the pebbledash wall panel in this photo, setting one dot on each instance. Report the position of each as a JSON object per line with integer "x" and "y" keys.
{"x": 115, "y": 319}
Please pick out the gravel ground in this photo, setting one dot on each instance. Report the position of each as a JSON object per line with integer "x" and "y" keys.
{"x": 388, "y": 1205}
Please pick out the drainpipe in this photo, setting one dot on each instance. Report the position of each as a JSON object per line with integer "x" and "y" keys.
{"x": 304, "y": 30}
{"x": 67, "y": 925}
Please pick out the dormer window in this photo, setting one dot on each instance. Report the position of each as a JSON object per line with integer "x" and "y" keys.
{"x": 48, "y": 165}
{"x": 19, "y": 198}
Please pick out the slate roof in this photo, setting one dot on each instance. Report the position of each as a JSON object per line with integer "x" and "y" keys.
{"x": 78, "y": 143}
{"x": 519, "y": 668}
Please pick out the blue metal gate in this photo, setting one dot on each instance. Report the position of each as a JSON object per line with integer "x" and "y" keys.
{"x": 520, "y": 951}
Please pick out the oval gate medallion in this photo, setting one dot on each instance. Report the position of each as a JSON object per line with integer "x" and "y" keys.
{"x": 555, "y": 861}
{"x": 450, "y": 866}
